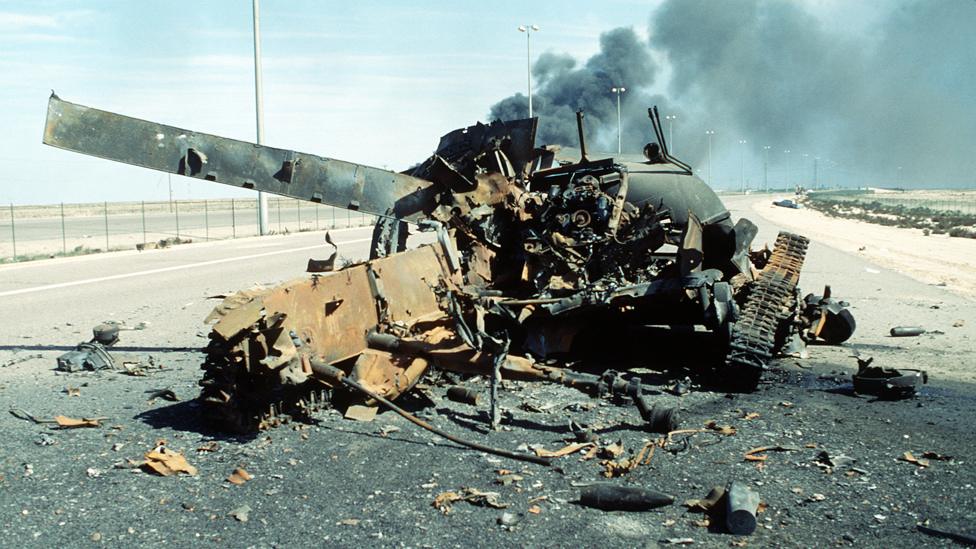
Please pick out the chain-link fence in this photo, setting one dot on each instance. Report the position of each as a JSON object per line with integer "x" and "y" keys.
{"x": 947, "y": 201}
{"x": 33, "y": 232}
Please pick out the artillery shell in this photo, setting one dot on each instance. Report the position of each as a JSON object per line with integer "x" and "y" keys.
{"x": 907, "y": 331}
{"x": 742, "y": 505}
{"x": 610, "y": 497}
{"x": 463, "y": 395}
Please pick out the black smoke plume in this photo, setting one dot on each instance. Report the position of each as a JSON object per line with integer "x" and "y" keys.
{"x": 888, "y": 103}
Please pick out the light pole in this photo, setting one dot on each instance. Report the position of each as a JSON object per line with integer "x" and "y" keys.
{"x": 259, "y": 112}
{"x": 618, "y": 91}
{"x": 742, "y": 165}
{"x": 671, "y": 118}
{"x": 789, "y": 168}
{"x": 816, "y": 174}
{"x": 709, "y": 133}
{"x": 528, "y": 29}
{"x": 766, "y": 167}
{"x": 805, "y": 155}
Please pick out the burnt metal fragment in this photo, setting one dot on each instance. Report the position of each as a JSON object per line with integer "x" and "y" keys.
{"x": 887, "y": 383}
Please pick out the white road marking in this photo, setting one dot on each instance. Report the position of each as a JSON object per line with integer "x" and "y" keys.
{"x": 168, "y": 269}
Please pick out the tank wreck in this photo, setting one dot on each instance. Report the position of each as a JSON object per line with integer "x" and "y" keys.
{"x": 534, "y": 252}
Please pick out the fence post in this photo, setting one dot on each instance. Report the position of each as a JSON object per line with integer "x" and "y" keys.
{"x": 105, "y": 205}
{"x": 278, "y": 203}
{"x": 233, "y": 220}
{"x": 317, "y": 208}
{"x": 333, "y": 216}
{"x": 348, "y": 218}
{"x": 206, "y": 220}
{"x": 64, "y": 240}
{"x": 13, "y": 230}
{"x": 143, "y": 222}
{"x": 176, "y": 208}
{"x": 298, "y": 203}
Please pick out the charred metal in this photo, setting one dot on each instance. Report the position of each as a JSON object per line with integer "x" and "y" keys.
{"x": 536, "y": 247}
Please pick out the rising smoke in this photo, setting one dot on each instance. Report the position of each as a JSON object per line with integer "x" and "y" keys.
{"x": 895, "y": 102}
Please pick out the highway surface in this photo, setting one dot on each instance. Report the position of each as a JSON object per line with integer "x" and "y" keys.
{"x": 340, "y": 483}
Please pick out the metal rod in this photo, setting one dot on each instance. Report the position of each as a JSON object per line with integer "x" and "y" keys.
{"x": 64, "y": 240}
{"x": 206, "y": 220}
{"x": 298, "y": 204}
{"x": 176, "y": 208}
{"x": 278, "y": 207}
{"x": 317, "y": 208}
{"x": 259, "y": 111}
{"x": 421, "y": 423}
{"x": 233, "y": 220}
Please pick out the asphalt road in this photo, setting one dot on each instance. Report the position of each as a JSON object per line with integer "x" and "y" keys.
{"x": 341, "y": 483}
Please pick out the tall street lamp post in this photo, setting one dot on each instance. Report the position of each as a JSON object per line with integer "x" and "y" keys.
{"x": 528, "y": 30}
{"x": 671, "y": 118}
{"x": 789, "y": 168}
{"x": 709, "y": 133}
{"x": 742, "y": 164}
{"x": 259, "y": 112}
{"x": 766, "y": 167}
{"x": 618, "y": 91}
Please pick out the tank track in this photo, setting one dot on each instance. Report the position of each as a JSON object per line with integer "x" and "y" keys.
{"x": 234, "y": 401}
{"x": 770, "y": 302}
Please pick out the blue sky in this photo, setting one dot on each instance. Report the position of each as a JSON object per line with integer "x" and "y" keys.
{"x": 371, "y": 82}
{"x": 368, "y": 81}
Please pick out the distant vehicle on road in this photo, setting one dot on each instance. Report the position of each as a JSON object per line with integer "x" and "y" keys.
{"x": 786, "y": 203}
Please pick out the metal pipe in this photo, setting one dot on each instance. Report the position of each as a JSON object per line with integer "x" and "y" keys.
{"x": 332, "y": 373}
{"x": 259, "y": 111}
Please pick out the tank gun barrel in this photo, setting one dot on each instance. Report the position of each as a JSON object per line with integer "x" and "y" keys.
{"x": 282, "y": 172}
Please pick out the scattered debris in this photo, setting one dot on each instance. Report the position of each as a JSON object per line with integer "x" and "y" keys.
{"x": 887, "y": 383}
{"x": 613, "y": 469}
{"x": 65, "y": 422}
{"x": 759, "y": 454}
{"x": 473, "y": 496}
{"x": 45, "y": 440}
{"x": 743, "y": 503}
{"x": 907, "y": 331}
{"x": 72, "y": 391}
{"x": 830, "y": 462}
{"x": 165, "y": 394}
{"x": 910, "y": 458}
{"x": 678, "y": 541}
{"x": 564, "y": 451}
{"x": 708, "y": 503}
{"x": 165, "y": 462}
{"x": 612, "y": 497}
{"x": 241, "y": 514}
{"x": 581, "y": 432}
{"x": 239, "y": 476}
{"x": 62, "y": 422}
{"x": 726, "y": 430}
{"x": 362, "y": 413}
{"x": 209, "y": 446}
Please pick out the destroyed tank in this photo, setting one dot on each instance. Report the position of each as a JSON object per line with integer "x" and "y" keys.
{"x": 531, "y": 252}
